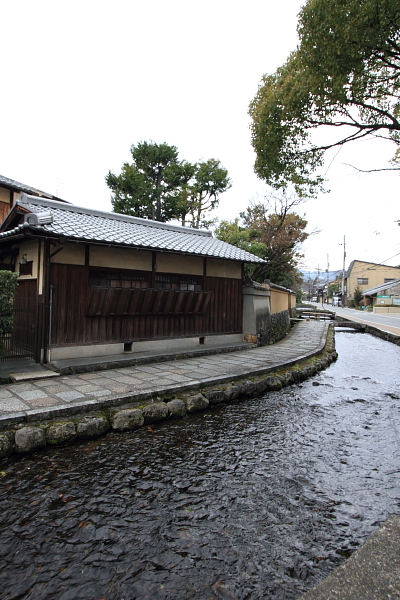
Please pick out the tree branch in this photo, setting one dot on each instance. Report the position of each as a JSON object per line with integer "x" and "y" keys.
{"x": 372, "y": 170}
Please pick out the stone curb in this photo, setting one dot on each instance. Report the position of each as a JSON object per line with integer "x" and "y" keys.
{"x": 365, "y": 328}
{"x": 141, "y": 397}
{"x": 371, "y": 573}
{"x": 21, "y": 432}
{"x": 143, "y": 360}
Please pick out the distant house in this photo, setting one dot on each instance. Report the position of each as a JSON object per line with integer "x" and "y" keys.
{"x": 95, "y": 283}
{"x": 10, "y": 192}
{"x": 336, "y": 298}
{"x": 384, "y": 298}
{"x": 366, "y": 275}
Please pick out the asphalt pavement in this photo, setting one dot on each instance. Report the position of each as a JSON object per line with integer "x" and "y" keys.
{"x": 388, "y": 323}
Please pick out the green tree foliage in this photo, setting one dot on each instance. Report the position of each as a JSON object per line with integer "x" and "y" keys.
{"x": 235, "y": 233}
{"x": 358, "y": 295}
{"x": 333, "y": 289}
{"x": 273, "y": 236}
{"x": 159, "y": 186}
{"x": 8, "y": 286}
{"x": 210, "y": 180}
{"x": 146, "y": 187}
{"x": 345, "y": 74}
{"x": 299, "y": 295}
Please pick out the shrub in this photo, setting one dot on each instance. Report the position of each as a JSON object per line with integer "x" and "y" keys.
{"x": 358, "y": 295}
{"x": 8, "y": 286}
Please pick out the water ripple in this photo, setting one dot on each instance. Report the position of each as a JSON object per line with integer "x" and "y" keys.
{"x": 249, "y": 501}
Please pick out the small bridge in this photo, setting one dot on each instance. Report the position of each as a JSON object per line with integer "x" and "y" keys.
{"x": 317, "y": 315}
{"x": 351, "y": 325}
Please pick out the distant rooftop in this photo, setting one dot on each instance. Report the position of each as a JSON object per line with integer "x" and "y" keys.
{"x": 371, "y": 266}
{"x": 77, "y": 223}
{"x": 27, "y": 189}
{"x": 382, "y": 287}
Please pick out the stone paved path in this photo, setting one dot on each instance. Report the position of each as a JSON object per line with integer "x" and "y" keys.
{"x": 49, "y": 397}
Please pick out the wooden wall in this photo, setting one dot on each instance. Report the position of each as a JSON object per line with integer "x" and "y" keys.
{"x": 22, "y": 341}
{"x": 72, "y": 325}
{"x": 4, "y": 210}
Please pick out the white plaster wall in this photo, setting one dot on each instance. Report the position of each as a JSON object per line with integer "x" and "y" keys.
{"x": 120, "y": 258}
{"x": 183, "y": 344}
{"x": 156, "y": 346}
{"x": 224, "y": 268}
{"x": 177, "y": 263}
{"x": 31, "y": 249}
{"x": 71, "y": 254}
{"x": 256, "y": 309}
{"x": 86, "y": 351}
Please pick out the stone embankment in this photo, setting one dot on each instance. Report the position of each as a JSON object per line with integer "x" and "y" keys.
{"x": 382, "y": 334}
{"x": 152, "y": 407}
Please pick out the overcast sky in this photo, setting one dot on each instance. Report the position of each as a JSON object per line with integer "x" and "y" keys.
{"x": 82, "y": 81}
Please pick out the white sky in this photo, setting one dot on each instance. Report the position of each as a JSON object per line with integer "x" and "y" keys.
{"x": 82, "y": 81}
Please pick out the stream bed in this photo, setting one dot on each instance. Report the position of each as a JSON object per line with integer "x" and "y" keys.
{"x": 257, "y": 500}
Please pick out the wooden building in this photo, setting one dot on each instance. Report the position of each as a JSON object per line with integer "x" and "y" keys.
{"x": 95, "y": 283}
{"x": 364, "y": 275}
{"x": 384, "y": 298}
{"x": 11, "y": 191}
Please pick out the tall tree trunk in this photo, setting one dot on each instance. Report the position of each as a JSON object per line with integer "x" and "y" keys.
{"x": 158, "y": 195}
{"x": 199, "y": 211}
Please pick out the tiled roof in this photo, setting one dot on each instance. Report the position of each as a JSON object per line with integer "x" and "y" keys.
{"x": 27, "y": 189}
{"x": 84, "y": 224}
{"x": 381, "y": 288}
{"x": 371, "y": 266}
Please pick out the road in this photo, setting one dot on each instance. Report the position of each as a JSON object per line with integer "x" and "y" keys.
{"x": 384, "y": 322}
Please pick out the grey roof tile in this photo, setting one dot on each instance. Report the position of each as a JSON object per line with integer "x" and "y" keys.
{"x": 382, "y": 287}
{"x": 11, "y": 183}
{"x": 80, "y": 223}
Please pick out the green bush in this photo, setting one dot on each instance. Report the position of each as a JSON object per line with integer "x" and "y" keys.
{"x": 358, "y": 295}
{"x": 8, "y": 286}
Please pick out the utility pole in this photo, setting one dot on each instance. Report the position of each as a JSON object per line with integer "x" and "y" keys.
{"x": 344, "y": 263}
{"x": 327, "y": 268}
{"x": 327, "y": 278}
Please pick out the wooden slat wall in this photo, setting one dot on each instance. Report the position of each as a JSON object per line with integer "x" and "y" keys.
{"x": 71, "y": 325}
{"x": 111, "y": 301}
{"x": 4, "y": 210}
{"x": 22, "y": 341}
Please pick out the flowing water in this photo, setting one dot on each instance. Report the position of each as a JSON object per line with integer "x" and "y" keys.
{"x": 257, "y": 500}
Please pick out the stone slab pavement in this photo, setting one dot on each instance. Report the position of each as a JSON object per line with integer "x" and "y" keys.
{"x": 73, "y": 394}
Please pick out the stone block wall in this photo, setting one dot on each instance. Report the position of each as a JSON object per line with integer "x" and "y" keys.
{"x": 276, "y": 328}
{"x": 260, "y": 324}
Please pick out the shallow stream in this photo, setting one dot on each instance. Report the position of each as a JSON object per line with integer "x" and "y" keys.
{"x": 257, "y": 500}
